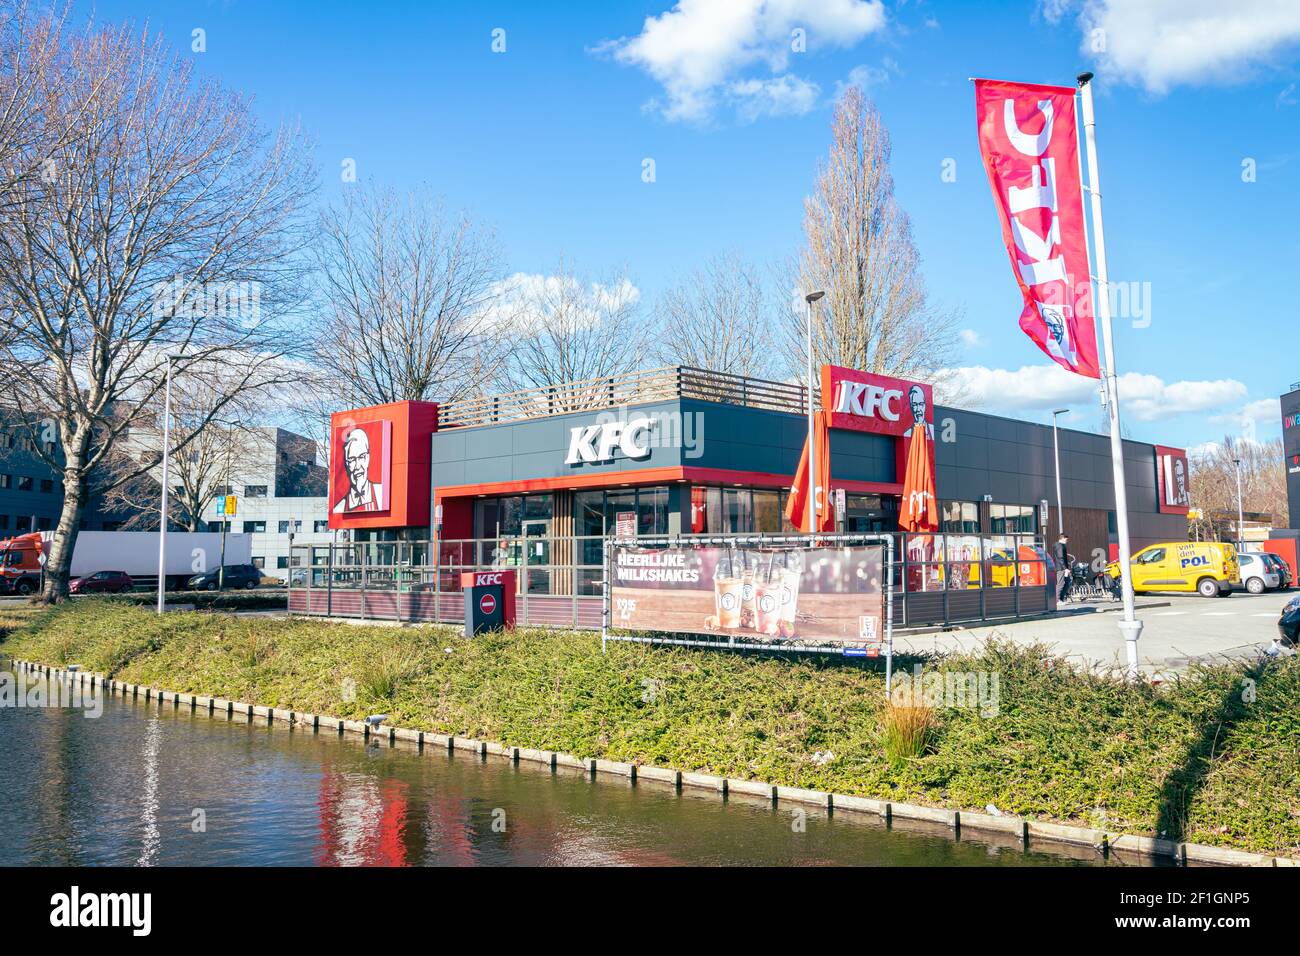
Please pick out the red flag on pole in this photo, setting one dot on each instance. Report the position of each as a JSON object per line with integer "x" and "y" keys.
{"x": 796, "y": 506}
{"x": 919, "y": 510}
{"x": 1030, "y": 146}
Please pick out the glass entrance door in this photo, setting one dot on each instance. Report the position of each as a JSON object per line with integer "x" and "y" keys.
{"x": 536, "y": 568}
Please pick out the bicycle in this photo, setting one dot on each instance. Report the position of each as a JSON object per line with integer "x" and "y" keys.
{"x": 1085, "y": 584}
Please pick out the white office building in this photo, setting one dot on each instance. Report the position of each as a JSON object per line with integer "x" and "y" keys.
{"x": 280, "y": 497}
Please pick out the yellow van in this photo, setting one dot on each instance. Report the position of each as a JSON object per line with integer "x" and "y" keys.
{"x": 1207, "y": 567}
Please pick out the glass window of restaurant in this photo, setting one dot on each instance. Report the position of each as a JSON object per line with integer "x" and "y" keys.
{"x": 869, "y": 514}
{"x": 716, "y": 510}
{"x": 1012, "y": 519}
{"x": 961, "y": 517}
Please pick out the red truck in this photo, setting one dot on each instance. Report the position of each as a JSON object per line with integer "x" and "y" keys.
{"x": 132, "y": 552}
{"x": 20, "y": 565}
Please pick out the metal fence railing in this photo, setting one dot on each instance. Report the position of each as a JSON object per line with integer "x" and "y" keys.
{"x": 942, "y": 578}
{"x": 631, "y": 388}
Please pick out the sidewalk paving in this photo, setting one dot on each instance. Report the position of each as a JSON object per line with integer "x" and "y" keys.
{"x": 1178, "y": 629}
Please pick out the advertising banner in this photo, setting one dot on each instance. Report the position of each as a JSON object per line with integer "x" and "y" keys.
{"x": 825, "y": 595}
{"x": 1030, "y": 145}
{"x": 1172, "y": 480}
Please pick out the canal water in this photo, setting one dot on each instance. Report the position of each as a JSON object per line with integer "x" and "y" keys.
{"x": 143, "y": 785}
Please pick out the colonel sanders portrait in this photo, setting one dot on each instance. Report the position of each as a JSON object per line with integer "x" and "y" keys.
{"x": 1180, "y": 482}
{"x": 362, "y": 494}
{"x": 1055, "y": 324}
{"x": 916, "y": 402}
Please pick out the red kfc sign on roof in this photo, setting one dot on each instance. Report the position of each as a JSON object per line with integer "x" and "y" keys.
{"x": 876, "y": 403}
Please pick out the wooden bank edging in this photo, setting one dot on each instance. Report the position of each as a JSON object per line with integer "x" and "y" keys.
{"x": 1027, "y": 831}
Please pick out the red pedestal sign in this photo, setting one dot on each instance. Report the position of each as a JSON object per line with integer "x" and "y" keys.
{"x": 489, "y": 600}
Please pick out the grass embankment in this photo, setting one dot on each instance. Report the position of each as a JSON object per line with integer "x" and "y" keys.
{"x": 1194, "y": 759}
{"x": 242, "y": 600}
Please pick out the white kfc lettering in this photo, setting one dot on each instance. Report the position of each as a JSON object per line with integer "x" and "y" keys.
{"x": 1041, "y": 269}
{"x": 869, "y": 401}
{"x": 593, "y": 443}
{"x": 1041, "y": 195}
{"x": 1029, "y": 145}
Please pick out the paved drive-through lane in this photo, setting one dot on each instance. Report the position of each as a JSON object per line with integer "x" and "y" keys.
{"x": 1178, "y": 628}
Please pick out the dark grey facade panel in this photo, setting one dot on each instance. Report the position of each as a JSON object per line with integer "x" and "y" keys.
{"x": 1008, "y": 460}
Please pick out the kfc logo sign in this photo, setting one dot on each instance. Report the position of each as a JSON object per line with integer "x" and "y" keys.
{"x": 861, "y": 398}
{"x": 360, "y": 467}
{"x": 589, "y": 444}
{"x": 1030, "y": 148}
{"x": 1172, "y": 479}
{"x": 875, "y": 403}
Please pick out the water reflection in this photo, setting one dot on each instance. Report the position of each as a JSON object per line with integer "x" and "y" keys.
{"x": 123, "y": 789}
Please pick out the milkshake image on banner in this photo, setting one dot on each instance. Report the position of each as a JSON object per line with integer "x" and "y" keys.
{"x": 727, "y": 593}
{"x": 790, "y": 577}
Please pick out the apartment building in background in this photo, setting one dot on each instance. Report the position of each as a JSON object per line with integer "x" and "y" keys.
{"x": 279, "y": 484}
{"x": 276, "y": 477}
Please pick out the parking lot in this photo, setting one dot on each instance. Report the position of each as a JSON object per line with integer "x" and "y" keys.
{"x": 1178, "y": 628}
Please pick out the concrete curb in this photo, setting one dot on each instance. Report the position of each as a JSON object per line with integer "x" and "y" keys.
{"x": 909, "y": 811}
{"x": 1029, "y": 832}
{"x": 704, "y": 781}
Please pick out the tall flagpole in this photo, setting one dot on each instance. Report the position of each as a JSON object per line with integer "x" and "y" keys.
{"x": 1130, "y": 627}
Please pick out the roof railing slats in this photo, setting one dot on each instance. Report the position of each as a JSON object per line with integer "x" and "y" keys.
{"x": 634, "y": 388}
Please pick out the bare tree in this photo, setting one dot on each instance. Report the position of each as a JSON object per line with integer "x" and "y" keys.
{"x": 876, "y": 315}
{"x": 223, "y": 444}
{"x": 570, "y": 329}
{"x": 27, "y": 48}
{"x": 408, "y": 291}
{"x": 717, "y": 318}
{"x": 1213, "y": 484}
{"x": 170, "y": 230}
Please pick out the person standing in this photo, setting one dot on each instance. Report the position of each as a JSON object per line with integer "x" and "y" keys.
{"x": 1062, "y": 555}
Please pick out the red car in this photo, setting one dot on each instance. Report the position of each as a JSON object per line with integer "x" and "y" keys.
{"x": 102, "y": 582}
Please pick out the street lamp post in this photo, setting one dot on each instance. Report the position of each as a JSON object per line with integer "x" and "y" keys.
{"x": 1241, "y": 515}
{"x": 166, "y": 483}
{"x": 811, "y": 298}
{"x": 1056, "y": 455}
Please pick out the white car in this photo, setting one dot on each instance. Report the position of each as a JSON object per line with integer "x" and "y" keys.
{"x": 1256, "y": 575}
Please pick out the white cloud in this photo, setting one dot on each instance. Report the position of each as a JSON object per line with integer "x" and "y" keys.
{"x": 785, "y": 95}
{"x": 1211, "y": 448}
{"x": 531, "y": 297}
{"x": 867, "y": 77}
{"x": 1144, "y": 398}
{"x": 700, "y": 48}
{"x": 1261, "y": 410}
{"x": 1165, "y": 43}
{"x": 1287, "y": 96}
{"x": 970, "y": 338}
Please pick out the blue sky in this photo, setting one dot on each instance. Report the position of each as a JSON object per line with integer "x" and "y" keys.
{"x": 546, "y": 141}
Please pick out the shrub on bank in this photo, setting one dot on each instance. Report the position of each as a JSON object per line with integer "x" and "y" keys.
{"x": 1192, "y": 760}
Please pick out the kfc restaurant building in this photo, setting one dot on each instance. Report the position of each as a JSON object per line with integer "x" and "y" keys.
{"x": 537, "y": 480}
